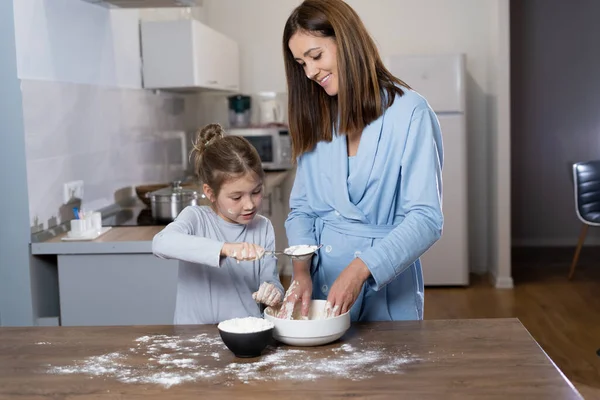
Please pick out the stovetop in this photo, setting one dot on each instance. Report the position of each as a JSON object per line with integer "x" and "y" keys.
{"x": 133, "y": 216}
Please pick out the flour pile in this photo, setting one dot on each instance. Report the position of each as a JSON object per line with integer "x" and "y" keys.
{"x": 173, "y": 360}
{"x": 245, "y": 325}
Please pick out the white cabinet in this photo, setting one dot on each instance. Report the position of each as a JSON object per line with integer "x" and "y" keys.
{"x": 186, "y": 54}
{"x": 146, "y": 4}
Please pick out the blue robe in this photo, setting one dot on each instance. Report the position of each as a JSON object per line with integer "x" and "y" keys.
{"x": 383, "y": 205}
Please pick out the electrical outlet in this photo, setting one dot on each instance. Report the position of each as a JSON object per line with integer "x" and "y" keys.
{"x": 72, "y": 190}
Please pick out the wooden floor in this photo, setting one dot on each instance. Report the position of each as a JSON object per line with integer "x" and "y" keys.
{"x": 563, "y": 316}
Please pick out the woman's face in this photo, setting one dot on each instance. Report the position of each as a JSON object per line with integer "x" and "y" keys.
{"x": 239, "y": 199}
{"x": 318, "y": 56}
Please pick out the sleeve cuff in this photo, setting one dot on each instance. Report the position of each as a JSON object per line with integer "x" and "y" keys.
{"x": 382, "y": 271}
{"x": 218, "y": 255}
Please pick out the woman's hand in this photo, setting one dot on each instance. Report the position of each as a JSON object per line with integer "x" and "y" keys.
{"x": 242, "y": 251}
{"x": 267, "y": 294}
{"x": 299, "y": 292}
{"x": 346, "y": 288}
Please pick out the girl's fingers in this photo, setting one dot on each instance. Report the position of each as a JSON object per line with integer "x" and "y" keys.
{"x": 267, "y": 294}
{"x": 278, "y": 297}
{"x": 274, "y": 297}
{"x": 268, "y": 290}
{"x": 260, "y": 252}
{"x": 261, "y": 292}
{"x": 245, "y": 251}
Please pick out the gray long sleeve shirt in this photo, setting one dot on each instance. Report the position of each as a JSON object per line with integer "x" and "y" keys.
{"x": 210, "y": 288}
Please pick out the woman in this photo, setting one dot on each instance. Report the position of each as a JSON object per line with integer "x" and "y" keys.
{"x": 368, "y": 184}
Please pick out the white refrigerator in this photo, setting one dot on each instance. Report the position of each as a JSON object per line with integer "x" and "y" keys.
{"x": 441, "y": 80}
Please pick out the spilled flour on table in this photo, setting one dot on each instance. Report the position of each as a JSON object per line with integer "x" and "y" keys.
{"x": 173, "y": 360}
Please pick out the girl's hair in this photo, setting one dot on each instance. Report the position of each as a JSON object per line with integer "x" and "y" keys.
{"x": 218, "y": 158}
{"x": 366, "y": 87}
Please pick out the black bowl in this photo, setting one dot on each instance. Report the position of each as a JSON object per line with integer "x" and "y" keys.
{"x": 247, "y": 345}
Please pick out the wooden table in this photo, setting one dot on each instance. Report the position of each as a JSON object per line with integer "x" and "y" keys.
{"x": 462, "y": 359}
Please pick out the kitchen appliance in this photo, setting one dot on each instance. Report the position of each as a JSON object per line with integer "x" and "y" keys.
{"x": 144, "y": 3}
{"x": 184, "y": 54}
{"x": 273, "y": 144}
{"x": 135, "y": 215}
{"x": 139, "y": 213}
{"x": 441, "y": 80}
{"x": 270, "y": 109}
{"x": 167, "y": 203}
{"x": 143, "y": 190}
{"x": 240, "y": 113}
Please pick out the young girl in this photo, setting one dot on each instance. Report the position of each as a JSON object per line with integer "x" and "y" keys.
{"x": 222, "y": 271}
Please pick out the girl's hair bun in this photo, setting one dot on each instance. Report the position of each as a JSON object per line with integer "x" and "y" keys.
{"x": 207, "y": 135}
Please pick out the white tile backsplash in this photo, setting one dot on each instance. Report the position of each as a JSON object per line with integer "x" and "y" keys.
{"x": 110, "y": 138}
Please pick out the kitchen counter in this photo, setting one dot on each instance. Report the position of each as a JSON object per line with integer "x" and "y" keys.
{"x": 118, "y": 240}
{"x": 445, "y": 359}
{"x": 116, "y": 280}
{"x": 124, "y": 240}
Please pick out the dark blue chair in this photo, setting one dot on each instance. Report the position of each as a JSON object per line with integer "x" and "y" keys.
{"x": 586, "y": 181}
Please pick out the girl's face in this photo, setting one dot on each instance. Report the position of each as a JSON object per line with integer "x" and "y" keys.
{"x": 239, "y": 198}
{"x": 318, "y": 56}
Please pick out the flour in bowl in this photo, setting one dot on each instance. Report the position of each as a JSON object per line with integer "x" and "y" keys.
{"x": 245, "y": 325}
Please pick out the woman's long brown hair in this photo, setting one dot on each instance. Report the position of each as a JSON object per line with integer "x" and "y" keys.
{"x": 366, "y": 87}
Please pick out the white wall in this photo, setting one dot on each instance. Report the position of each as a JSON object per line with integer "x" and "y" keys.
{"x": 85, "y": 115}
{"x": 398, "y": 26}
{"x": 499, "y": 149}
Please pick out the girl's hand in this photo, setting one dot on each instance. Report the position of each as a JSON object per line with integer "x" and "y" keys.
{"x": 346, "y": 288}
{"x": 242, "y": 251}
{"x": 267, "y": 294}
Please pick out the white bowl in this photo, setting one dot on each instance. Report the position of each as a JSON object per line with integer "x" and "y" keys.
{"x": 314, "y": 331}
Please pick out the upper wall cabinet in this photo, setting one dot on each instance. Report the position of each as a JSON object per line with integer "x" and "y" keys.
{"x": 147, "y": 3}
{"x": 186, "y": 54}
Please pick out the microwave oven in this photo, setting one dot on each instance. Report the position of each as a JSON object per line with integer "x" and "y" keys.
{"x": 273, "y": 145}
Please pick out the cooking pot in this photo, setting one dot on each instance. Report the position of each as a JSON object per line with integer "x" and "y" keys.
{"x": 167, "y": 203}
